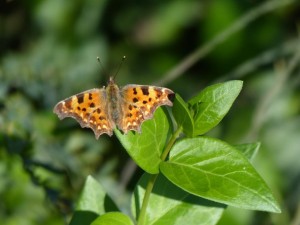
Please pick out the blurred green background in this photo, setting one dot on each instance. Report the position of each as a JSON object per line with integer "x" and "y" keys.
{"x": 48, "y": 52}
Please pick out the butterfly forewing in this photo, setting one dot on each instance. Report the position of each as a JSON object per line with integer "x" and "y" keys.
{"x": 89, "y": 108}
{"x": 140, "y": 103}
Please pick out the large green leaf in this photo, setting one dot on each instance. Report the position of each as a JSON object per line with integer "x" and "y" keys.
{"x": 93, "y": 202}
{"x": 183, "y": 116}
{"x": 169, "y": 204}
{"x": 146, "y": 148}
{"x": 212, "y": 104}
{"x": 113, "y": 218}
{"x": 213, "y": 169}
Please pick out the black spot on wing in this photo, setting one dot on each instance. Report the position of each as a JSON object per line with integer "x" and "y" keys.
{"x": 80, "y": 98}
{"x": 134, "y": 91}
{"x": 145, "y": 90}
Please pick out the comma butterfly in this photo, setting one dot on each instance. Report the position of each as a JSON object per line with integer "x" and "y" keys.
{"x": 104, "y": 109}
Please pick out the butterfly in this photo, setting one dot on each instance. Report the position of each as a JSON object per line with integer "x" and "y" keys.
{"x": 104, "y": 109}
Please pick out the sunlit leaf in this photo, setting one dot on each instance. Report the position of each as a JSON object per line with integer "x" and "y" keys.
{"x": 212, "y": 104}
{"x": 146, "y": 148}
{"x": 213, "y": 169}
{"x": 113, "y": 218}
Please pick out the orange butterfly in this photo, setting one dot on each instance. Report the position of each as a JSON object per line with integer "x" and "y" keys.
{"x": 104, "y": 109}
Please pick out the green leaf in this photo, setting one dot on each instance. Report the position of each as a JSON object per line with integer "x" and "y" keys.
{"x": 146, "y": 148}
{"x": 248, "y": 150}
{"x": 213, "y": 169}
{"x": 169, "y": 204}
{"x": 113, "y": 218}
{"x": 183, "y": 116}
{"x": 93, "y": 202}
{"x": 212, "y": 104}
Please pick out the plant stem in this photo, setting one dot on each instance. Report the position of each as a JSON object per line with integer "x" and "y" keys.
{"x": 141, "y": 218}
{"x": 153, "y": 177}
{"x": 170, "y": 144}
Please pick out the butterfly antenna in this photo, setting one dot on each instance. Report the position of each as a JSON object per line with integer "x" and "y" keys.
{"x": 102, "y": 67}
{"x": 119, "y": 67}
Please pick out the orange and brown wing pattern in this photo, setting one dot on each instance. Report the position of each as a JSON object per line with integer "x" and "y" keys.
{"x": 140, "y": 103}
{"x": 89, "y": 109}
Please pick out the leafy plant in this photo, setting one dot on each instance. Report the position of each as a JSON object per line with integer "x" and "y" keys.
{"x": 189, "y": 178}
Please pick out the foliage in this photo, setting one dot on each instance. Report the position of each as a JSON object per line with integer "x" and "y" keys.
{"x": 48, "y": 52}
{"x": 186, "y": 168}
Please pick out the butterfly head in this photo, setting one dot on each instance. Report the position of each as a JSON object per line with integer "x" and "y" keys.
{"x": 111, "y": 80}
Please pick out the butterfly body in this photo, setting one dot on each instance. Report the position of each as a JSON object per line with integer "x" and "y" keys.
{"x": 104, "y": 109}
{"x": 113, "y": 99}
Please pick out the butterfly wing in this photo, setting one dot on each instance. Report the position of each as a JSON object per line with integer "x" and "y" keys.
{"x": 89, "y": 108}
{"x": 139, "y": 104}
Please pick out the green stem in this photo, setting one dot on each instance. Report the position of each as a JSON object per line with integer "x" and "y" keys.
{"x": 141, "y": 218}
{"x": 153, "y": 177}
{"x": 170, "y": 144}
